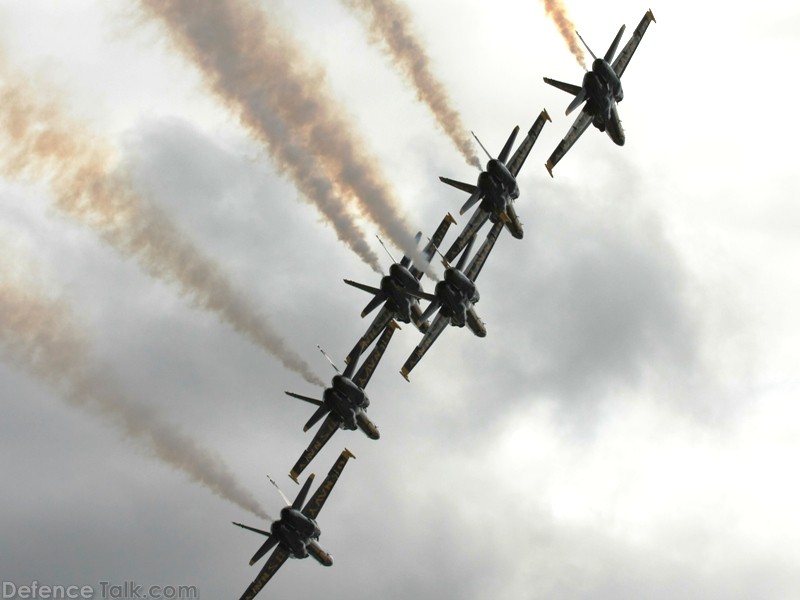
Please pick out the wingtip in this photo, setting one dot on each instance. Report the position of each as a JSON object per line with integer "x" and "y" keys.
{"x": 449, "y": 217}
{"x": 546, "y": 115}
{"x": 549, "y": 165}
{"x": 348, "y": 454}
{"x": 293, "y": 476}
{"x": 404, "y": 372}
{"x": 651, "y": 15}
{"x": 393, "y": 324}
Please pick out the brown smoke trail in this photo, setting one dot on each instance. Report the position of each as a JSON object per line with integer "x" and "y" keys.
{"x": 556, "y": 10}
{"x": 262, "y": 74}
{"x": 390, "y": 22}
{"x": 81, "y": 170}
{"x": 38, "y": 335}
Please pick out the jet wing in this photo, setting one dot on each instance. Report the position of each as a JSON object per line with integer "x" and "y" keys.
{"x": 316, "y": 501}
{"x": 474, "y": 268}
{"x": 476, "y": 221}
{"x": 324, "y": 433}
{"x": 624, "y": 57}
{"x": 516, "y": 162}
{"x": 371, "y": 363}
{"x": 578, "y": 127}
{"x": 378, "y": 324}
{"x": 435, "y": 242}
{"x": 436, "y": 328}
{"x": 274, "y": 562}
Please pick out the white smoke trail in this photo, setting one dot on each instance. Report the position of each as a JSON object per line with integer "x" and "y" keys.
{"x": 38, "y": 335}
{"x": 41, "y": 142}
{"x": 556, "y": 10}
{"x": 390, "y": 22}
{"x": 263, "y": 75}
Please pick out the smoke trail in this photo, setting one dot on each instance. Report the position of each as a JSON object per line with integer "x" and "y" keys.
{"x": 556, "y": 10}
{"x": 38, "y": 335}
{"x": 261, "y": 73}
{"x": 42, "y": 142}
{"x": 390, "y": 22}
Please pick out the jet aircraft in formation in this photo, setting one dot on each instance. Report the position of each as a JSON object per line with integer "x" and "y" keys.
{"x": 344, "y": 403}
{"x": 455, "y": 298}
{"x": 296, "y": 533}
{"x": 601, "y": 91}
{"x": 396, "y": 293}
{"x": 497, "y": 188}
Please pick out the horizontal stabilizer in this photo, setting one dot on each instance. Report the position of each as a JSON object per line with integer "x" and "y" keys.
{"x": 261, "y": 531}
{"x": 464, "y": 187}
{"x": 366, "y": 288}
{"x": 420, "y": 295}
{"x": 570, "y": 88}
{"x": 313, "y": 401}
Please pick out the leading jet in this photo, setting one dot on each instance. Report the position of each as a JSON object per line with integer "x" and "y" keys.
{"x": 296, "y": 533}
{"x": 601, "y": 91}
{"x": 344, "y": 404}
{"x": 455, "y": 298}
{"x": 395, "y": 293}
{"x": 497, "y": 188}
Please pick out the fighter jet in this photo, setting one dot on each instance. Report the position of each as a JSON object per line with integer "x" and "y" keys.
{"x": 455, "y": 298}
{"x": 395, "y": 293}
{"x": 497, "y": 188}
{"x": 296, "y": 533}
{"x": 601, "y": 91}
{"x": 344, "y": 404}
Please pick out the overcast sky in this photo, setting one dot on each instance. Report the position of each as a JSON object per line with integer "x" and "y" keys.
{"x": 627, "y": 429}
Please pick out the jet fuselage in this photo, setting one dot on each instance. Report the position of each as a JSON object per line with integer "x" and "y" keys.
{"x": 396, "y": 285}
{"x": 603, "y": 91}
{"x": 346, "y": 400}
{"x": 299, "y": 534}
{"x": 456, "y": 294}
{"x": 498, "y": 186}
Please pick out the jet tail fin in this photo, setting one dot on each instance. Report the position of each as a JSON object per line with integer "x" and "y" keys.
{"x": 576, "y": 102}
{"x": 301, "y": 496}
{"x": 506, "y": 151}
{"x": 316, "y": 417}
{"x": 612, "y": 50}
{"x": 266, "y": 547}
